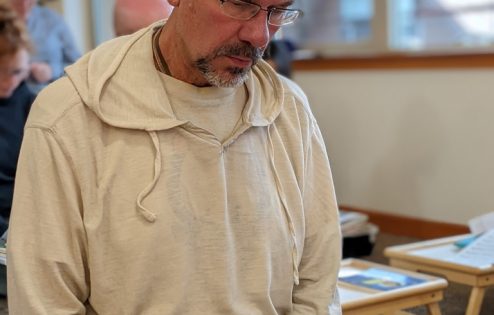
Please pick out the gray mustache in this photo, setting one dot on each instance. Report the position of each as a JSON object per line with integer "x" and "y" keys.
{"x": 243, "y": 50}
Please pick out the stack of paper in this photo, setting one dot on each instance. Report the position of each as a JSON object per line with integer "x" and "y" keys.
{"x": 479, "y": 253}
{"x": 354, "y": 224}
{"x": 3, "y": 249}
{"x": 3, "y": 253}
{"x": 482, "y": 223}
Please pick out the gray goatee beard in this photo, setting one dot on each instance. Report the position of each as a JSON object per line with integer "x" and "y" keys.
{"x": 234, "y": 76}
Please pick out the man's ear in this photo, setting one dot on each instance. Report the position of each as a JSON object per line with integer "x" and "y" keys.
{"x": 174, "y": 3}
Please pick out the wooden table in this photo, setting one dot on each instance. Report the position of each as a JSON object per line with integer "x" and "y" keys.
{"x": 431, "y": 256}
{"x": 358, "y": 300}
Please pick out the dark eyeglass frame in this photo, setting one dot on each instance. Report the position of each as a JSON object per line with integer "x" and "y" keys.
{"x": 294, "y": 13}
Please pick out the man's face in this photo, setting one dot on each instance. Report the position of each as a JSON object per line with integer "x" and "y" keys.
{"x": 13, "y": 69}
{"x": 23, "y": 7}
{"x": 219, "y": 49}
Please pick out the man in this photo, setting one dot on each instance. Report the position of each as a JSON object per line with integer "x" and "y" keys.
{"x": 130, "y": 16}
{"x": 54, "y": 46}
{"x": 174, "y": 172}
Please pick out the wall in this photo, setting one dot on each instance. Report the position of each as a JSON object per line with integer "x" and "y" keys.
{"x": 90, "y": 20}
{"x": 103, "y": 20}
{"x": 413, "y": 143}
{"x": 77, "y": 15}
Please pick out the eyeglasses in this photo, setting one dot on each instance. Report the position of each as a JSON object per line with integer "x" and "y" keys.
{"x": 243, "y": 10}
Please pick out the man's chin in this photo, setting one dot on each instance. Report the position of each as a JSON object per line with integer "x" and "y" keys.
{"x": 231, "y": 79}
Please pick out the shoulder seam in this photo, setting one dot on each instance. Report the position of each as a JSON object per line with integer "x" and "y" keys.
{"x": 75, "y": 100}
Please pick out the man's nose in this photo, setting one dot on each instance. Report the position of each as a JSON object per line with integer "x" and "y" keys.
{"x": 256, "y": 31}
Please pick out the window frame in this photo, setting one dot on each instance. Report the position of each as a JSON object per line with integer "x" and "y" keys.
{"x": 378, "y": 54}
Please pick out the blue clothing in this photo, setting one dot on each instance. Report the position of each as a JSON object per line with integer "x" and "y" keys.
{"x": 53, "y": 42}
{"x": 13, "y": 115}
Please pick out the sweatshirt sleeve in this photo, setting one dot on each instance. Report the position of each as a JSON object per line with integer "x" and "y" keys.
{"x": 46, "y": 249}
{"x": 318, "y": 270}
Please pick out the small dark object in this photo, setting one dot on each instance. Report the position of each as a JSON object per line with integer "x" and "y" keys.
{"x": 357, "y": 246}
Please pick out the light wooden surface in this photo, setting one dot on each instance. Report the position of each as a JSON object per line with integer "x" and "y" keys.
{"x": 356, "y": 300}
{"x": 431, "y": 256}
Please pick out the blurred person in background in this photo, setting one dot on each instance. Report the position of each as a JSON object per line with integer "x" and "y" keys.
{"x": 130, "y": 16}
{"x": 54, "y": 46}
{"x": 15, "y": 101}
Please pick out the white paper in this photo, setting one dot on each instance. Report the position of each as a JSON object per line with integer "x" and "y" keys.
{"x": 354, "y": 223}
{"x": 350, "y": 216}
{"x": 479, "y": 253}
{"x": 482, "y": 223}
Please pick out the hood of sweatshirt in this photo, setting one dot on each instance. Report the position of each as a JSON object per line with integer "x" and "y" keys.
{"x": 118, "y": 81}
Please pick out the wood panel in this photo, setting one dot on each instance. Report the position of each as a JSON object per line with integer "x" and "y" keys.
{"x": 397, "y": 62}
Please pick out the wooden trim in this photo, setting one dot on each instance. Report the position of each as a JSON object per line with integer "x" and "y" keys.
{"x": 397, "y": 62}
{"x": 408, "y": 226}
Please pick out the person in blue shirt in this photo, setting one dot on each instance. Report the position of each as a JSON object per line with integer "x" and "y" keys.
{"x": 54, "y": 46}
{"x": 15, "y": 102}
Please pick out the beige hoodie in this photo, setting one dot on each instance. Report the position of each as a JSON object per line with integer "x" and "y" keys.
{"x": 121, "y": 208}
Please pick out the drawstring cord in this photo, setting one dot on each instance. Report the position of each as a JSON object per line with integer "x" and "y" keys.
{"x": 148, "y": 214}
{"x": 151, "y": 216}
{"x": 284, "y": 204}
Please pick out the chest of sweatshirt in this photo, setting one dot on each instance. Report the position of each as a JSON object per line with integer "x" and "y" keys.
{"x": 187, "y": 168}
{"x": 209, "y": 200}
{"x": 206, "y": 195}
